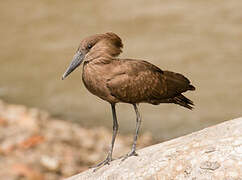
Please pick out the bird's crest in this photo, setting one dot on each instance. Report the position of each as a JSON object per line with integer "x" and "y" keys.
{"x": 108, "y": 44}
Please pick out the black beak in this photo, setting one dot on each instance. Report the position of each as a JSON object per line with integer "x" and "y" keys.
{"x": 76, "y": 61}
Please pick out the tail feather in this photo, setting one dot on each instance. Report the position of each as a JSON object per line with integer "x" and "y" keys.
{"x": 176, "y": 83}
{"x": 183, "y": 101}
{"x": 191, "y": 87}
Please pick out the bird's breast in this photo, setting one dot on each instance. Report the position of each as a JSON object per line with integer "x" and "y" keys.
{"x": 95, "y": 80}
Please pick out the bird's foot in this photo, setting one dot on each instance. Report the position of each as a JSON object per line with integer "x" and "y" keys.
{"x": 103, "y": 163}
{"x": 131, "y": 153}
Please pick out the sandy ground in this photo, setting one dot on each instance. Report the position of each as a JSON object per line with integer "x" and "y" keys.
{"x": 201, "y": 39}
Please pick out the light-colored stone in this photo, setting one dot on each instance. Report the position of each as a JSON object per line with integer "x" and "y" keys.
{"x": 212, "y": 153}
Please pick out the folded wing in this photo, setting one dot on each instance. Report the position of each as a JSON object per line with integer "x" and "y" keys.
{"x": 143, "y": 82}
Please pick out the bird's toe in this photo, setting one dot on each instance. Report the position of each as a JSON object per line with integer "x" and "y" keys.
{"x": 103, "y": 163}
{"x": 132, "y": 153}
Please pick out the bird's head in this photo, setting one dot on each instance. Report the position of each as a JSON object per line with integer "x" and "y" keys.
{"x": 92, "y": 47}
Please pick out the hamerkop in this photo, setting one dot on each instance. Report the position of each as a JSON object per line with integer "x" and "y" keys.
{"x": 125, "y": 80}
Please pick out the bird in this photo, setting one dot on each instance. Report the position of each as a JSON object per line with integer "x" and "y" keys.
{"x": 131, "y": 81}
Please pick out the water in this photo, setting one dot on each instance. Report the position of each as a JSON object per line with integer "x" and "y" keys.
{"x": 201, "y": 39}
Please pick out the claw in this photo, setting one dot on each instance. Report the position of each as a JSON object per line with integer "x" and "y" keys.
{"x": 103, "y": 163}
{"x": 132, "y": 153}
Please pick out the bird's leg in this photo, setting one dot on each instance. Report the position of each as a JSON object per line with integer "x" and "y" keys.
{"x": 115, "y": 130}
{"x": 138, "y": 122}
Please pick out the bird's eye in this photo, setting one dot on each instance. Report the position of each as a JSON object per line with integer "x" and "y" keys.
{"x": 89, "y": 46}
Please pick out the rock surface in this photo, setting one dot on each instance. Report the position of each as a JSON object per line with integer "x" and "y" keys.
{"x": 212, "y": 153}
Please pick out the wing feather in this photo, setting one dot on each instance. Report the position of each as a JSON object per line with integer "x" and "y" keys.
{"x": 141, "y": 81}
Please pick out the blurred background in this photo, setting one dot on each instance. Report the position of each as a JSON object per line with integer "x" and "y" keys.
{"x": 201, "y": 39}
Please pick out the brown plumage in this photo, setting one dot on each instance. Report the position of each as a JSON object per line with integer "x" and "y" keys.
{"x": 126, "y": 80}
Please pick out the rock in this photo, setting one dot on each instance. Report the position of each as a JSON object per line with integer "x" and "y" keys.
{"x": 50, "y": 163}
{"x": 212, "y": 153}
